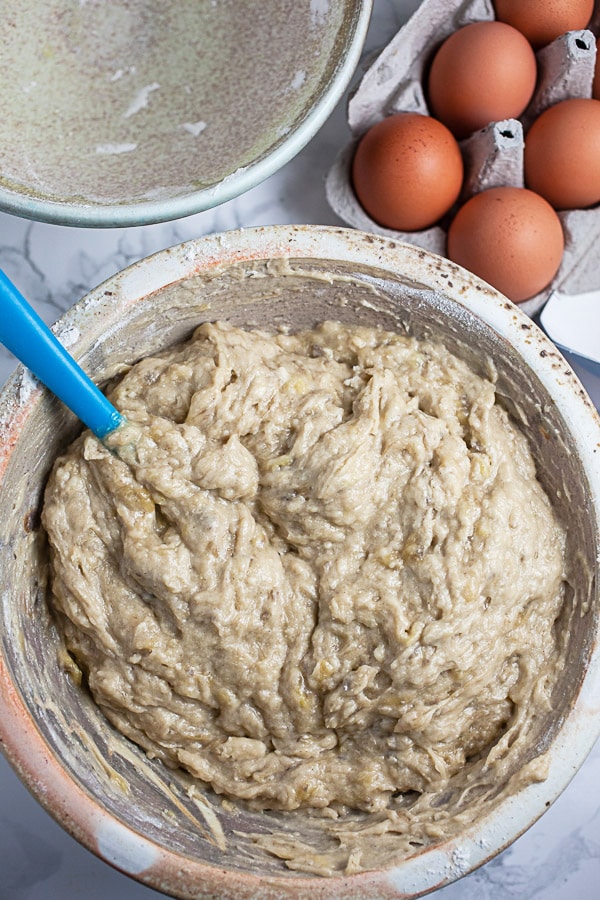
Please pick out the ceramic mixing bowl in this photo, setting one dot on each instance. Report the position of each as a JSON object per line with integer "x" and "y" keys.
{"x": 128, "y": 809}
{"x": 128, "y": 113}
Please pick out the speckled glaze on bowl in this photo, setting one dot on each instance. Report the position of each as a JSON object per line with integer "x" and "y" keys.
{"x": 129, "y": 810}
{"x": 129, "y": 113}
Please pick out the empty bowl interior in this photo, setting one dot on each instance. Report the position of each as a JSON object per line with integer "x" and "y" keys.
{"x": 157, "y": 803}
{"x": 114, "y": 104}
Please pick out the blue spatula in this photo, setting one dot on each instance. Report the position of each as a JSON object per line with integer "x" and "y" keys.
{"x": 32, "y": 342}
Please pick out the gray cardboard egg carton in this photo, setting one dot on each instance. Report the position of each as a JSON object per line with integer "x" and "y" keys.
{"x": 492, "y": 156}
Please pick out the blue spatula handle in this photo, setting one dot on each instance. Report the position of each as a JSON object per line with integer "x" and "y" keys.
{"x": 32, "y": 342}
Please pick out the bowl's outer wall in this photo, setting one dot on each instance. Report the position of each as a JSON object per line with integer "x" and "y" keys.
{"x": 93, "y": 780}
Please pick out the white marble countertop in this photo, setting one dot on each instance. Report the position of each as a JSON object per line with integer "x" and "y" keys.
{"x": 559, "y": 857}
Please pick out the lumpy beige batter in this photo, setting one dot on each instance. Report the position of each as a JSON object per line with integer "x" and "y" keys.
{"x": 324, "y": 576}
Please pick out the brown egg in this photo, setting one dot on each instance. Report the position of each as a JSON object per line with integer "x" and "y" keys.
{"x": 407, "y": 171}
{"x": 482, "y": 73}
{"x": 596, "y": 82}
{"x": 562, "y": 154}
{"x": 510, "y": 237}
{"x": 541, "y": 21}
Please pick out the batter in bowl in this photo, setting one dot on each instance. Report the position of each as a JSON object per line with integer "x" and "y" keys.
{"x": 329, "y": 578}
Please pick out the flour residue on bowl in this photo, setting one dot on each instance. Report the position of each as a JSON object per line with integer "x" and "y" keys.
{"x": 141, "y": 100}
{"x": 195, "y": 128}
{"x": 115, "y": 149}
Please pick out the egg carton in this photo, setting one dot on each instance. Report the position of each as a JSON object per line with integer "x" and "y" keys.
{"x": 492, "y": 156}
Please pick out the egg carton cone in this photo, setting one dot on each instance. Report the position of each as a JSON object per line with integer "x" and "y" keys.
{"x": 493, "y": 156}
{"x": 565, "y": 69}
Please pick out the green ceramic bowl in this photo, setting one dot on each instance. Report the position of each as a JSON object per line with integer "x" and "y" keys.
{"x": 129, "y": 113}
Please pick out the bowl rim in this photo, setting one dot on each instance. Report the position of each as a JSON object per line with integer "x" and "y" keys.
{"x": 178, "y": 875}
{"x": 148, "y": 212}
